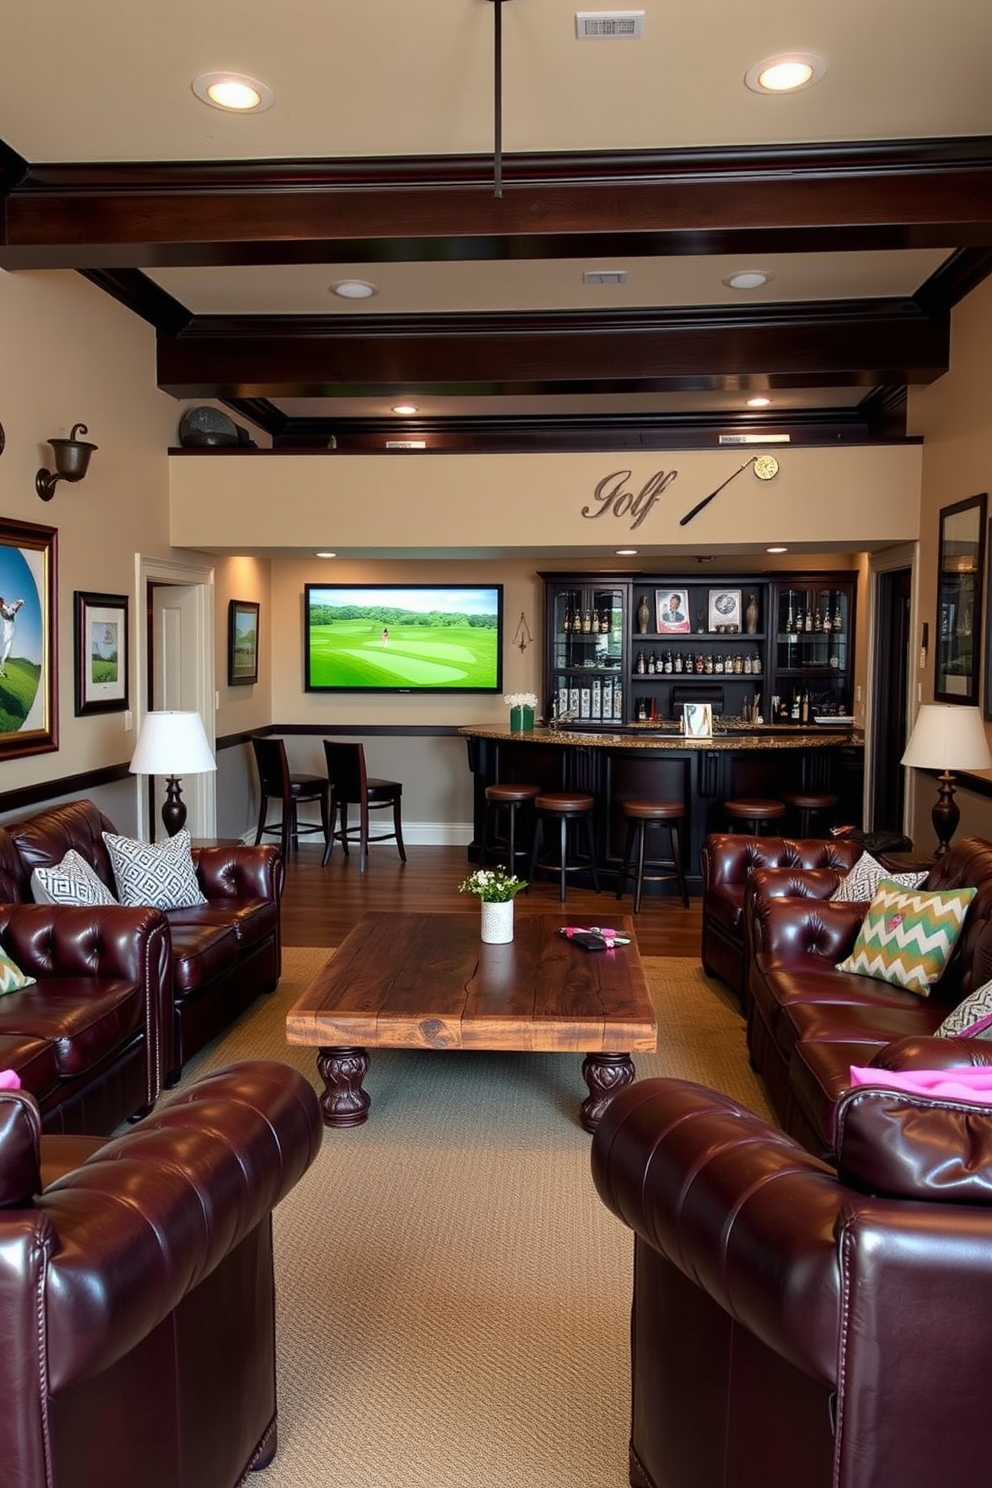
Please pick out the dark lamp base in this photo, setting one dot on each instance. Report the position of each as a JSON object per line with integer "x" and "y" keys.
{"x": 174, "y": 809}
{"x": 945, "y": 813}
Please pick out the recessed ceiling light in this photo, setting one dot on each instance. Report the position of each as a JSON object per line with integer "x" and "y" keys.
{"x": 354, "y": 289}
{"x": 325, "y": 555}
{"x": 776, "y": 550}
{"x": 785, "y": 73}
{"x": 234, "y": 92}
{"x": 759, "y": 402}
{"x": 404, "y": 408}
{"x": 625, "y": 552}
{"x": 747, "y": 279}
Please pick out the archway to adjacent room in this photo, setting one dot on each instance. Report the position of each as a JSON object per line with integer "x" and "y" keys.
{"x": 175, "y": 656}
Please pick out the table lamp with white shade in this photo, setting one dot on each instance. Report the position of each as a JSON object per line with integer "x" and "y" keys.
{"x": 947, "y": 737}
{"x": 172, "y": 744}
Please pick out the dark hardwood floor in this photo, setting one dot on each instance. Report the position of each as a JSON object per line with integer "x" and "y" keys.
{"x": 320, "y": 905}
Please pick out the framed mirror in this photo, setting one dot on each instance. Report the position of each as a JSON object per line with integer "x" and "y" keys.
{"x": 960, "y": 569}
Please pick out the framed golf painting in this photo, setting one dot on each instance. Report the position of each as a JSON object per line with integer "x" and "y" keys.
{"x": 101, "y": 652}
{"x": 28, "y": 639}
{"x": 242, "y": 643}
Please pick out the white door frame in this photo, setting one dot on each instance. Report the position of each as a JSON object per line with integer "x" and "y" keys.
{"x": 199, "y": 791}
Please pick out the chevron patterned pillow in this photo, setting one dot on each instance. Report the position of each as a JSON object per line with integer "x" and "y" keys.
{"x": 12, "y": 978}
{"x": 907, "y": 936}
{"x": 158, "y": 874}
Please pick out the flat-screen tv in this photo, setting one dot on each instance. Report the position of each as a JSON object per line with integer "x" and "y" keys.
{"x": 403, "y": 637}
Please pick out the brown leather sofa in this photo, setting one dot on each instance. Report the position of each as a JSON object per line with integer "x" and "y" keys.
{"x": 727, "y": 860}
{"x": 137, "y": 1286}
{"x": 808, "y": 1022}
{"x": 90, "y": 1038}
{"x": 224, "y": 952}
{"x": 793, "y": 1324}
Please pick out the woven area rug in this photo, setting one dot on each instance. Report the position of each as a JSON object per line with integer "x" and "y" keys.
{"x": 453, "y": 1297}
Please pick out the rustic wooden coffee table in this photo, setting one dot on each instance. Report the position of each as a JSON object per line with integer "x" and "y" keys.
{"x": 426, "y": 981}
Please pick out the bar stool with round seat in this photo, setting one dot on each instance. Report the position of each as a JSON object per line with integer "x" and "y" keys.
{"x": 564, "y": 808}
{"x": 510, "y": 799}
{"x": 640, "y": 815}
{"x": 810, "y": 805}
{"x": 754, "y": 812}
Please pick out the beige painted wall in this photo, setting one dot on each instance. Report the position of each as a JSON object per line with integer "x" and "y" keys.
{"x": 69, "y": 354}
{"x": 955, "y": 417}
{"x": 394, "y": 506}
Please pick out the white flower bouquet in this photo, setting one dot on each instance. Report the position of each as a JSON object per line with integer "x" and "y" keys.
{"x": 492, "y": 885}
{"x": 520, "y": 699}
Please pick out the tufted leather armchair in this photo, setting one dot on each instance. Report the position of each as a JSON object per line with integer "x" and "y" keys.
{"x": 727, "y": 861}
{"x": 136, "y": 1287}
{"x": 793, "y": 1324}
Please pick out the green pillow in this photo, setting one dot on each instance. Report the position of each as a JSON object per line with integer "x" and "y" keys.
{"x": 907, "y": 935}
{"x": 12, "y": 978}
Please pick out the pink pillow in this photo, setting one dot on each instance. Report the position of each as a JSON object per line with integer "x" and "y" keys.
{"x": 9, "y": 1080}
{"x": 970, "y": 1084}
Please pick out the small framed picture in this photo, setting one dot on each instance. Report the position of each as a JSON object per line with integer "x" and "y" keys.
{"x": 671, "y": 610}
{"x": 101, "y": 653}
{"x": 242, "y": 642}
{"x": 698, "y": 720}
{"x": 724, "y": 610}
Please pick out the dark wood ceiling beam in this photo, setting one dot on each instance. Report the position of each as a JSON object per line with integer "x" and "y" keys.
{"x": 690, "y": 203}
{"x": 854, "y": 346}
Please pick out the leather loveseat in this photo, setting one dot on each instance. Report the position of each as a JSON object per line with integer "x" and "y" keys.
{"x": 793, "y": 1324}
{"x": 223, "y": 953}
{"x": 137, "y": 1286}
{"x": 808, "y": 1023}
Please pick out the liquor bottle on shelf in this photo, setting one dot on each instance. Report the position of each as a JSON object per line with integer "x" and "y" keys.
{"x": 652, "y": 665}
{"x": 641, "y": 666}
{"x": 804, "y": 706}
{"x": 790, "y": 619}
{"x": 828, "y": 623}
{"x": 587, "y": 623}
{"x": 604, "y": 623}
{"x": 566, "y": 623}
{"x": 838, "y": 618}
{"x": 669, "y": 663}
{"x": 679, "y": 665}
{"x": 817, "y": 619}
{"x": 808, "y": 622}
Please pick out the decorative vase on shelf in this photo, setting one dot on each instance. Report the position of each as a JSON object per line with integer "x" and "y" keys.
{"x": 751, "y": 615}
{"x": 643, "y": 616}
{"x": 497, "y": 921}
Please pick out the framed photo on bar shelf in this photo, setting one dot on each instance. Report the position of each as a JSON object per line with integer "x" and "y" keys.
{"x": 960, "y": 573}
{"x": 101, "y": 652}
{"x": 242, "y": 642}
{"x": 698, "y": 720}
{"x": 724, "y": 610}
{"x": 672, "y": 611}
{"x": 28, "y": 639}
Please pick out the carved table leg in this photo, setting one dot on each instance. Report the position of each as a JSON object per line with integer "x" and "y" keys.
{"x": 605, "y": 1074}
{"x": 344, "y": 1102}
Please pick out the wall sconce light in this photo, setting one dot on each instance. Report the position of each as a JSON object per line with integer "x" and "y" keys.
{"x": 72, "y": 458}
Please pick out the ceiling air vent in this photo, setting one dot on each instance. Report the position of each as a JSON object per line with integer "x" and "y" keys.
{"x": 755, "y": 439}
{"x": 406, "y": 443}
{"x": 609, "y": 25}
{"x": 604, "y": 276}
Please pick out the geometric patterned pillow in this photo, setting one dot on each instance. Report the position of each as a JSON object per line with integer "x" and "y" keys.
{"x": 972, "y": 1018}
{"x": 864, "y": 878}
{"x": 907, "y": 935}
{"x": 12, "y": 978}
{"x": 72, "y": 881}
{"x": 158, "y": 874}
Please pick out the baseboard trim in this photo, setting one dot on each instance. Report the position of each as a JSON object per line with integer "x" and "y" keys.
{"x": 415, "y": 834}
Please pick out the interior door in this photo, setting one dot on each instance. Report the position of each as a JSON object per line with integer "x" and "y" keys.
{"x": 173, "y": 684}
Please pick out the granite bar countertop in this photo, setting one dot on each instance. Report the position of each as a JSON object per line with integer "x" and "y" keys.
{"x": 670, "y": 739}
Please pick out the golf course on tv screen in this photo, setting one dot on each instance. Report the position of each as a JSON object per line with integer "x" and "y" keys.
{"x": 404, "y": 638}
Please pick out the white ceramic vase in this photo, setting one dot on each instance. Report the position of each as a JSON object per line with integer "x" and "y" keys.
{"x": 497, "y": 921}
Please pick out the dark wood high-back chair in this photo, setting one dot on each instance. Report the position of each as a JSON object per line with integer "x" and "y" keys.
{"x": 350, "y": 785}
{"x": 277, "y": 783}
